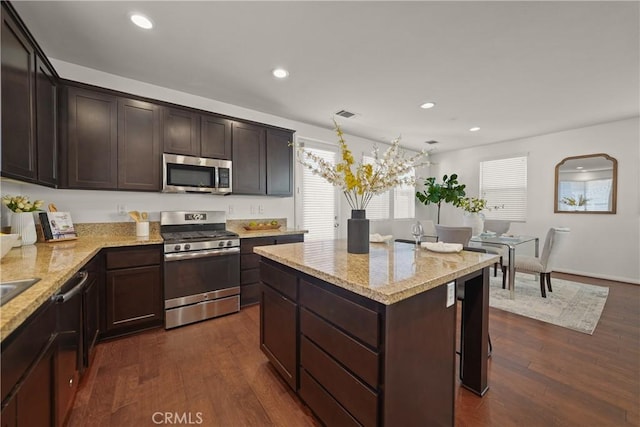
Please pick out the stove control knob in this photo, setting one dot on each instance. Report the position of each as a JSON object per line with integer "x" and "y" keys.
{"x": 221, "y": 244}
{"x": 187, "y": 247}
{"x": 176, "y": 247}
{"x": 229, "y": 242}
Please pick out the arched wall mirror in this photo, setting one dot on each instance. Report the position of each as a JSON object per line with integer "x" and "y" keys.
{"x": 586, "y": 184}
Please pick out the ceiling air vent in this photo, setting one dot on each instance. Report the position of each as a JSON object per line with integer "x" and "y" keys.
{"x": 346, "y": 114}
{"x": 431, "y": 142}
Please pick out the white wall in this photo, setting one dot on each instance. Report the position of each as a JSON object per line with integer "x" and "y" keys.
{"x": 101, "y": 206}
{"x": 600, "y": 245}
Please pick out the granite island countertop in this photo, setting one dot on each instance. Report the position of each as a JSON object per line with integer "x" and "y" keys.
{"x": 389, "y": 273}
{"x": 54, "y": 263}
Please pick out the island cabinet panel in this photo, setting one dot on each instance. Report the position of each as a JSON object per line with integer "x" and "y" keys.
{"x": 250, "y": 264}
{"x": 132, "y": 298}
{"x": 279, "y": 328}
{"x": 323, "y": 404}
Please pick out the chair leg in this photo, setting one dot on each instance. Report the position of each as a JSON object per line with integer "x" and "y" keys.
{"x": 549, "y": 281}
{"x": 504, "y": 277}
{"x": 542, "y": 288}
{"x": 490, "y": 346}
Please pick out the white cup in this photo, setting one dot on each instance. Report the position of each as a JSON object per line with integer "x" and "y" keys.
{"x": 142, "y": 229}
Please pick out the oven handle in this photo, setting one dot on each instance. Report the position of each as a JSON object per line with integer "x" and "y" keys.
{"x": 201, "y": 254}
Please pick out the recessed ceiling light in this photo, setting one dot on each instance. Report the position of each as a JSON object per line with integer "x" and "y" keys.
{"x": 579, "y": 167}
{"x": 141, "y": 21}
{"x": 474, "y": 129}
{"x": 428, "y": 105}
{"x": 280, "y": 73}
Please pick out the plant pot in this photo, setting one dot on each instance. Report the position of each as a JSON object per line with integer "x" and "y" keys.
{"x": 475, "y": 221}
{"x": 358, "y": 232}
{"x": 23, "y": 224}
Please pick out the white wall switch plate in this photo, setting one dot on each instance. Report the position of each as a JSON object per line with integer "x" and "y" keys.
{"x": 451, "y": 294}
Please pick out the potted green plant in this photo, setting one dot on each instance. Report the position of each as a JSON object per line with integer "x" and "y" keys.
{"x": 449, "y": 191}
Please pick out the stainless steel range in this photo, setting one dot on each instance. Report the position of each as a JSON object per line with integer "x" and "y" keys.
{"x": 201, "y": 267}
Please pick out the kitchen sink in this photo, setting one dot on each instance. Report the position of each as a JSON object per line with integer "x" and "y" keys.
{"x": 9, "y": 290}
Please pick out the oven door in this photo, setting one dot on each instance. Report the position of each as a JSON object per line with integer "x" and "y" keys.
{"x": 190, "y": 277}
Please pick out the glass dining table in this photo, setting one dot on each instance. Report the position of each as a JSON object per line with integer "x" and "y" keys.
{"x": 510, "y": 242}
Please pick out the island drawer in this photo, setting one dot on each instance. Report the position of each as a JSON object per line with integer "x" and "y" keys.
{"x": 355, "y": 356}
{"x": 355, "y": 319}
{"x": 322, "y": 404}
{"x": 280, "y": 280}
{"x": 350, "y": 392}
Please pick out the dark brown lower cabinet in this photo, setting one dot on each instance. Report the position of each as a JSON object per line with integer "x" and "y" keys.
{"x": 36, "y": 395}
{"x": 133, "y": 291}
{"x": 358, "y": 362}
{"x": 250, "y": 264}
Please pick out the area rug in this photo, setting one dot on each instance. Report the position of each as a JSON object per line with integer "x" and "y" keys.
{"x": 572, "y": 305}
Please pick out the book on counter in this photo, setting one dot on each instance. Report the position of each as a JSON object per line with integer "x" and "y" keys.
{"x": 57, "y": 226}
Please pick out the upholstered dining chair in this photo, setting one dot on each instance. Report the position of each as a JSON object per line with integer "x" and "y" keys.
{"x": 449, "y": 234}
{"x": 500, "y": 227}
{"x": 543, "y": 265}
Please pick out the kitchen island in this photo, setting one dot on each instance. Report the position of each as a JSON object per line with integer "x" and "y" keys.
{"x": 370, "y": 339}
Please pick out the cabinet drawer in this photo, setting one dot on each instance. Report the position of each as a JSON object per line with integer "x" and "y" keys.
{"x": 280, "y": 280}
{"x": 247, "y": 245}
{"x": 249, "y": 276}
{"x": 289, "y": 238}
{"x": 355, "y": 356}
{"x": 248, "y": 261}
{"x": 134, "y": 257}
{"x": 322, "y": 404}
{"x": 353, "y": 318}
{"x": 359, "y": 400}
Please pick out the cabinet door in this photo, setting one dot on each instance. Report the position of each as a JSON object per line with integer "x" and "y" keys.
{"x": 133, "y": 298}
{"x": 18, "y": 65}
{"x": 181, "y": 133}
{"x": 278, "y": 323}
{"x": 46, "y": 124}
{"x": 215, "y": 137}
{"x": 139, "y": 149}
{"x": 9, "y": 415}
{"x": 279, "y": 163}
{"x": 249, "y": 152}
{"x": 92, "y": 140}
{"x": 35, "y": 398}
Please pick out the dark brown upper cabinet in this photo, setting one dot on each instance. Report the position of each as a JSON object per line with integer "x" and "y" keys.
{"x": 215, "y": 137}
{"x": 28, "y": 107}
{"x": 92, "y": 140}
{"x": 181, "y": 132}
{"x": 192, "y": 134}
{"x": 139, "y": 148}
{"x": 262, "y": 160}
{"x": 249, "y": 159}
{"x": 279, "y": 163}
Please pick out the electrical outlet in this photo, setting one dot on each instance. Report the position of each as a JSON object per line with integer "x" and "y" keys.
{"x": 122, "y": 209}
{"x": 252, "y": 209}
{"x": 230, "y": 209}
{"x": 260, "y": 209}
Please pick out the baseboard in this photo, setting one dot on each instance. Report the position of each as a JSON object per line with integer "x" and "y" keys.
{"x": 601, "y": 276}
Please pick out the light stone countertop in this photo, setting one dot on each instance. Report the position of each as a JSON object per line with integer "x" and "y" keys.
{"x": 282, "y": 231}
{"x": 54, "y": 263}
{"x": 389, "y": 273}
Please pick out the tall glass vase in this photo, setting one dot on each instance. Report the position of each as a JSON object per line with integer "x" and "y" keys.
{"x": 23, "y": 224}
{"x": 358, "y": 232}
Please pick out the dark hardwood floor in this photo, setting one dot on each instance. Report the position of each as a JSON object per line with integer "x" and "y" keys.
{"x": 539, "y": 374}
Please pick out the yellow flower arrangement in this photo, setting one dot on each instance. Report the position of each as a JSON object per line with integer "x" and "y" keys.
{"x": 359, "y": 185}
{"x": 21, "y": 204}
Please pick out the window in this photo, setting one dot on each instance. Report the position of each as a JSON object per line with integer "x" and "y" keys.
{"x": 378, "y": 207}
{"x": 404, "y": 200}
{"x": 319, "y": 201}
{"x": 503, "y": 183}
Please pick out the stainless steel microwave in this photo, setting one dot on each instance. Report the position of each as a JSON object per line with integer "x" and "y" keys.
{"x": 188, "y": 174}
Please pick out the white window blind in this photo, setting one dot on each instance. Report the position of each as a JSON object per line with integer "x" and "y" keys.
{"x": 404, "y": 200}
{"x": 318, "y": 201}
{"x": 378, "y": 207}
{"x": 503, "y": 183}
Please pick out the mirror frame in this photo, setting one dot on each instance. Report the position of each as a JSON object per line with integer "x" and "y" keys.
{"x": 614, "y": 185}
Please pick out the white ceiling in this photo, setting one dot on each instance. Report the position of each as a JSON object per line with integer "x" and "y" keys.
{"x": 515, "y": 69}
